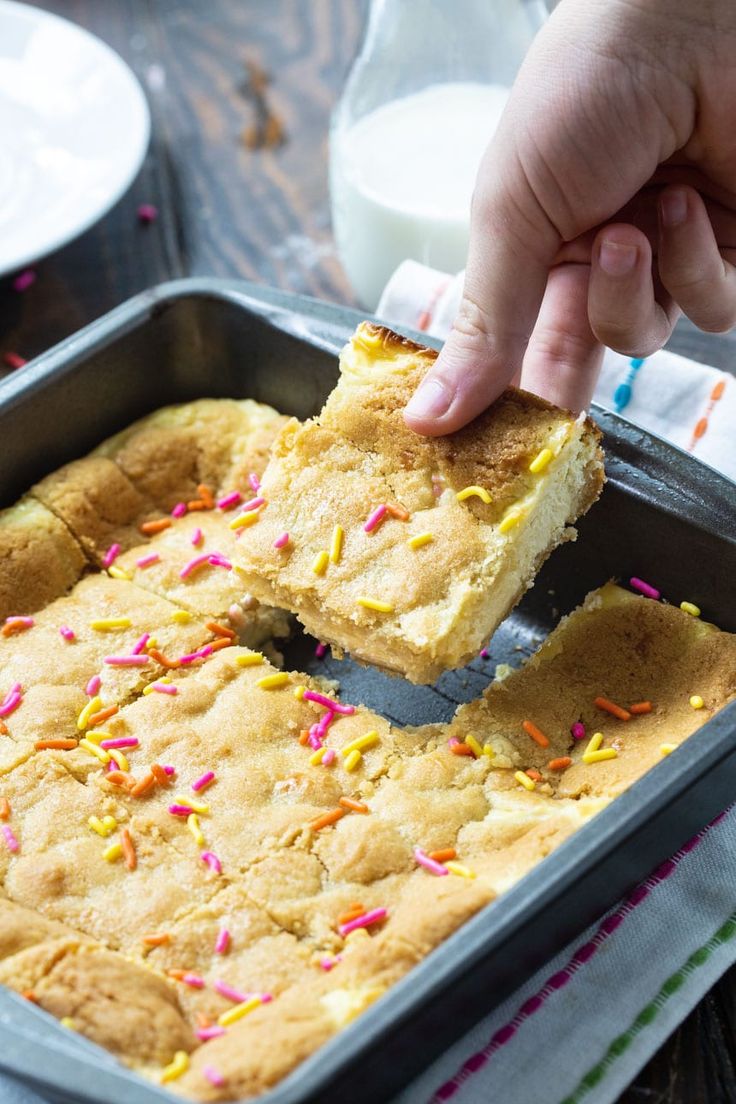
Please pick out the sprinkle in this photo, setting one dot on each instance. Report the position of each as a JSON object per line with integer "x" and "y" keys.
{"x": 577, "y": 730}
{"x": 156, "y": 939}
{"x": 319, "y": 564}
{"x": 524, "y": 780}
{"x": 474, "y": 746}
{"x": 688, "y": 607}
{"x": 254, "y": 482}
{"x": 644, "y": 588}
{"x": 640, "y": 707}
{"x": 205, "y": 780}
{"x": 205, "y": 1033}
{"x": 458, "y": 748}
{"x": 140, "y": 644}
{"x": 250, "y": 659}
{"x": 328, "y": 758}
{"x": 534, "y": 774}
{"x": 169, "y": 664}
{"x": 461, "y": 870}
{"x": 612, "y": 708}
{"x": 237, "y": 1013}
{"x": 560, "y": 764}
{"x": 100, "y": 827}
{"x": 93, "y": 749}
{"x": 535, "y": 733}
{"x": 17, "y": 625}
{"x": 128, "y": 848}
{"x": 56, "y": 744}
{"x": 243, "y": 520}
{"x": 355, "y": 806}
{"x": 320, "y": 650}
{"x": 194, "y": 981}
{"x": 213, "y": 1076}
{"x": 197, "y": 537}
{"x": 161, "y": 774}
{"x": 595, "y": 742}
{"x": 162, "y": 687}
{"x": 326, "y": 819}
{"x": 14, "y": 360}
{"x": 113, "y": 852}
{"x": 195, "y": 806}
{"x": 93, "y": 686}
{"x": 361, "y": 743}
{"x": 375, "y": 916}
{"x": 473, "y": 492}
{"x": 443, "y": 854}
{"x": 110, "y": 624}
{"x": 328, "y": 703}
{"x": 179, "y": 510}
{"x": 375, "y": 519}
{"x": 397, "y": 512}
{"x": 67, "y": 633}
{"x": 374, "y": 604}
{"x": 229, "y": 500}
{"x": 119, "y": 778}
{"x": 175, "y": 1069}
{"x": 222, "y": 943}
{"x": 327, "y": 963}
{"x": 149, "y": 560}
{"x": 10, "y": 839}
{"x": 420, "y": 540}
{"x": 540, "y": 461}
{"x": 338, "y": 536}
{"x": 10, "y": 703}
{"x": 429, "y": 864}
{"x": 352, "y": 760}
{"x": 119, "y": 758}
{"x": 599, "y": 756}
{"x": 146, "y": 213}
{"x": 192, "y": 657}
{"x": 180, "y": 810}
{"x": 316, "y": 758}
{"x": 512, "y": 518}
{"x": 117, "y": 573}
{"x": 24, "y": 280}
{"x": 300, "y": 692}
{"x": 127, "y": 661}
{"x": 4, "y": 808}
{"x": 273, "y": 682}
{"x": 194, "y": 564}
{"x": 111, "y": 555}
{"x": 206, "y": 495}
{"x": 666, "y": 749}
{"x": 282, "y": 541}
{"x": 216, "y": 560}
{"x": 212, "y": 861}
{"x": 226, "y": 990}
{"x": 696, "y": 701}
{"x": 355, "y": 910}
{"x": 146, "y": 783}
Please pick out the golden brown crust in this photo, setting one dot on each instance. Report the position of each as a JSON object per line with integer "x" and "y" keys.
{"x": 39, "y": 558}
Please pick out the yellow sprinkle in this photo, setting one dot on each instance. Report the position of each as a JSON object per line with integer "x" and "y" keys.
{"x": 68, "y": 1022}
{"x": 513, "y": 517}
{"x": 599, "y": 756}
{"x": 195, "y": 806}
{"x": 666, "y": 749}
{"x": 93, "y": 749}
{"x": 150, "y": 688}
{"x": 420, "y": 540}
{"x": 594, "y": 742}
{"x": 299, "y": 693}
{"x": 96, "y": 734}
{"x": 474, "y": 745}
{"x": 176, "y": 1068}
{"x": 92, "y": 706}
{"x": 338, "y": 535}
{"x": 458, "y": 868}
{"x": 193, "y": 826}
{"x": 540, "y": 461}
{"x": 272, "y": 682}
{"x": 152, "y": 642}
{"x": 319, "y": 565}
{"x": 696, "y": 701}
{"x": 181, "y": 617}
{"x": 102, "y": 827}
{"x": 352, "y": 760}
{"x": 316, "y": 758}
{"x": 109, "y": 624}
{"x": 374, "y": 604}
{"x": 117, "y": 756}
{"x": 524, "y": 780}
{"x": 360, "y": 743}
{"x": 689, "y": 607}
{"x": 118, "y": 573}
{"x": 488, "y": 750}
{"x": 113, "y": 852}
{"x": 238, "y": 1011}
{"x": 252, "y": 659}
{"x": 470, "y": 492}
{"x": 245, "y": 519}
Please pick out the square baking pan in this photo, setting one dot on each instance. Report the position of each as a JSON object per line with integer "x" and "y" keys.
{"x": 662, "y": 516}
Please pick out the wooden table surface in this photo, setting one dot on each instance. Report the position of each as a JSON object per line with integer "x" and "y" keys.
{"x": 222, "y": 76}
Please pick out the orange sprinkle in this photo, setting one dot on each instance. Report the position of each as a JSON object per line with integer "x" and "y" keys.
{"x": 3, "y": 728}
{"x": 559, "y": 764}
{"x": 157, "y": 939}
{"x": 196, "y": 504}
{"x": 143, "y": 785}
{"x": 202, "y": 1020}
{"x": 304, "y": 737}
{"x": 55, "y": 745}
{"x": 14, "y": 625}
{"x": 718, "y": 390}
{"x": 533, "y": 774}
{"x": 102, "y": 716}
{"x": 535, "y": 733}
{"x": 446, "y": 854}
{"x": 120, "y": 778}
{"x": 397, "y": 511}
{"x": 160, "y": 775}
{"x": 148, "y": 528}
{"x": 355, "y": 806}
{"x": 220, "y": 630}
{"x": 4, "y": 808}
{"x": 218, "y": 645}
{"x": 640, "y": 707}
{"x": 206, "y": 495}
{"x": 326, "y": 819}
{"x": 351, "y": 914}
{"x": 177, "y": 974}
{"x": 29, "y": 995}
{"x": 613, "y": 709}
{"x": 128, "y": 849}
{"x": 169, "y": 664}
{"x": 461, "y": 749}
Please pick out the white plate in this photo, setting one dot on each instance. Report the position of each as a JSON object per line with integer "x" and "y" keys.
{"x": 74, "y": 129}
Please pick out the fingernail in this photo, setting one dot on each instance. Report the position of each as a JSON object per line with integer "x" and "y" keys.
{"x": 617, "y": 259}
{"x": 673, "y": 207}
{"x": 431, "y": 400}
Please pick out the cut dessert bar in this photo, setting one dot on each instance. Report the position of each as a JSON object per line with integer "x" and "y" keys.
{"x": 39, "y": 558}
{"x": 408, "y": 551}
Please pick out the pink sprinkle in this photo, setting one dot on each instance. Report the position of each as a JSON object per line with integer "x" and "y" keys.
{"x": 204, "y": 781}
{"x": 254, "y": 482}
{"x": 314, "y": 740}
{"x": 170, "y": 770}
{"x": 328, "y": 703}
{"x": 93, "y": 686}
{"x": 644, "y": 588}
{"x": 179, "y": 510}
{"x": 375, "y": 519}
{"x": 180, "y": 810}
{"x": 266, "y": 998}
{"x": 328, "y": 758}
{"x": 10, "y": 839}
{"x": 67, "y": 633}
{"x": 147, "y": 213}
{"x": 222, "y": 943}
{"x": 164, "y": 688}
{"x": 111, "y": 555}
{"x": 226, "y": 990}
{"x": 140, "y": 644}
{"x": 201, "y": 654}
{"x": 320, "y": 650}
{"x": 363, "y": 921}
{"x": 282, "y": 541}
{"x": 127, "y": 660}
{"x": 253, "y": 504}
{"x": 10, "y": 703}
{"x": 146, "y": 561}
{"x": 453, "y": 741}
{"x": 577, "y": 730}
{"x": 24, "y": 280}
{"x": 197, "y": 537}
{"x": 216, "y": 560}
{"x": 324, "y": 723}
{"x": 327, "y": 963}
{"x": 205, "y": 1033}
{"x": 197, "y": 562}
{"x": 429, "y": 864}
{"x": 212, "y": 861}
{"x": 213, "y": 1076}
{"x": 229, "y": 500}
{"x": 194, "y": 980}
{"x": 120, "y": 742}
{"x": 485, "y": 654}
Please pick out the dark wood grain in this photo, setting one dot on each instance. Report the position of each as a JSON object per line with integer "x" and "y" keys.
{"x": 263, "y": 213}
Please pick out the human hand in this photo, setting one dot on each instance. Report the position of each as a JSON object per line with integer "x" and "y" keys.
{"x": 604, "y": 206}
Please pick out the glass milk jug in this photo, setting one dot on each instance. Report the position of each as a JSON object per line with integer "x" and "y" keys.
{"x": 421, "y": 103}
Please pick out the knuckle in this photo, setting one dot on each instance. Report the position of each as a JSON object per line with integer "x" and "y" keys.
{"x": 558, "y": 347}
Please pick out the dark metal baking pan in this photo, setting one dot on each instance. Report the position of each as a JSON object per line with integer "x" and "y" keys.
{"x": 662, "y": 516}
